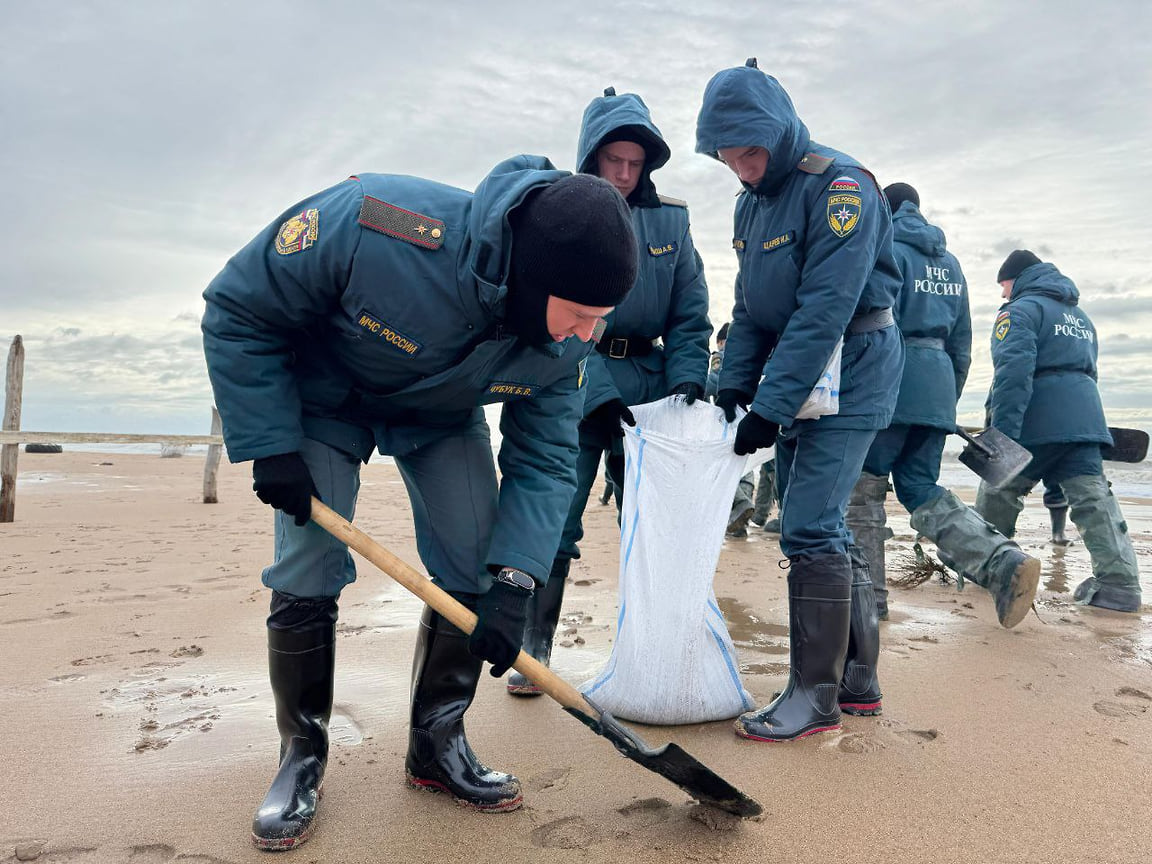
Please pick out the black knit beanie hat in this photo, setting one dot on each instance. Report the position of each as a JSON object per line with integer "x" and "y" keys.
{"x": 898, "y": 193}
{"x": 1015, "y": 264}
{"x": 574, "y": 240}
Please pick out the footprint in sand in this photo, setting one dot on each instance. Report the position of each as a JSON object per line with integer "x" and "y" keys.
{"x": 571, "y": 832}
{"x": 1118, "y": 709}
{"x": 1132, "y": 691}
{"x": 919, "y": 735}
{"x": 858, "y": 742}
{"x": 647, "y": 811}
{"x": 187, "y": 651}
{"x": 553, "y": 778}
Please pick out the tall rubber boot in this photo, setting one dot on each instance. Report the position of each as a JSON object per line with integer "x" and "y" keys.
{"x": 860, "y": 686}
{"x": 301, "y": 666}
{"x": 543, "y": 615}
{"x": 444, "y": 679}
{"x": 1059, "y": 516}
{"x": 971, "y": 546}
{"x": 1115, "y": 580}
{"x": 819, "y": 607}
{"x": 1002, "y": 507}
{"x": 867, "y": 520}
{"x": 1057, "y": 504}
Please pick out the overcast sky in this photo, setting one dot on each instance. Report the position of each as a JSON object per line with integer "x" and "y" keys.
{"x": 142, "y": 143}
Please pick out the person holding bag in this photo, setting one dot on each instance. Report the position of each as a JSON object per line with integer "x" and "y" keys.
{"x": 813, "y": 235}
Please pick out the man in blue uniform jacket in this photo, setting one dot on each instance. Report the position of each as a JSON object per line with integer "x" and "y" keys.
{"x": 813, "y": 235}
{"x": 653, "y": 345}
{"x": 381, "y": 314}
{"x": 1044, "y": 395}
{"x": 932, "y": 311}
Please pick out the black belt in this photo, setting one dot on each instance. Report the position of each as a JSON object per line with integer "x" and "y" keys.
{"x": 620, "y": 348}
{"x": 924, "y": 342}
{"x": 877, "y": 319}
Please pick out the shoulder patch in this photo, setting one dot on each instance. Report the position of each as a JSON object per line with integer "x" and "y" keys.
{"x": 402, "y": 224}
{"x": 814, "y": 163}
{"x": 669, "y": 201}
{"x": 299, "y": 232}
{"x": 844, "y": 184}
{"x": 844, "y": 209}
{"x": 1003, "y": 324}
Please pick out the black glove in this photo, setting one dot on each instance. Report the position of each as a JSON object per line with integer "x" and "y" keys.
{"x": 605, "y": 421}
{"x": 753, "y": 433}
{"x": 727, "y": 400}
{"x": 691, "y": 392}
{"x": 284, "y": 482}
{"x": 499, "y": 629}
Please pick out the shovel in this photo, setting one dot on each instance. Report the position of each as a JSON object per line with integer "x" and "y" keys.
{"x": 993, "y": 456}
{"x": 669, "y": 761}
{"x": 1128, "y": 445}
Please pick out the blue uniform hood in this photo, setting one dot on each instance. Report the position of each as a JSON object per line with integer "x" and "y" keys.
{"x": 489, "y": 237}
{"x": 625, "y": 117}
{"x": 909, "y": 226}
{"x": 744, "y": 107}
{"x": 1044, "y": 279}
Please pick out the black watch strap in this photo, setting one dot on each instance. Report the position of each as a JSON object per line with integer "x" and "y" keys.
{"x": 517, "y": 578}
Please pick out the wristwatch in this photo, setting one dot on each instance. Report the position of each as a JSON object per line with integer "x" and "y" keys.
{"x": 516, "y": 578}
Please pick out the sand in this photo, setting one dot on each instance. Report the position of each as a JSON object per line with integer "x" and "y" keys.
{"x": 136, "y": 718}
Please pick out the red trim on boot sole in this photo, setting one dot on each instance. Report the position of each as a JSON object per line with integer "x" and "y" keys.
{"x": 744, "y": 733}
{"x": 435, "y": 786}
{"x": 524, "y": 690}
{"x": 862, "y": 709}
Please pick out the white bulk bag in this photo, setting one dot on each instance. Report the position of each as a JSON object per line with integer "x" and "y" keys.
{"x": 673, "y": 660}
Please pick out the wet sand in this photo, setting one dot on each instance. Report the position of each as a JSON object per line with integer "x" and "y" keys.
{"x": 137, "y": 725}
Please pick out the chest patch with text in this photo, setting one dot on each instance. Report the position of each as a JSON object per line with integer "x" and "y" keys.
{"x": 775, "y": 243}
{"x": 382, "y": 330}
{"x": 665, "y": 249}
{"x": 510, "y": 389}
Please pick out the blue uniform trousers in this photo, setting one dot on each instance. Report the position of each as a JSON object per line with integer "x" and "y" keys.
{"x": 452, "y": 487}
{"x": 911, "y": 454}
{"x": 816, "y": 470}
{"x": 1052, "y": 463}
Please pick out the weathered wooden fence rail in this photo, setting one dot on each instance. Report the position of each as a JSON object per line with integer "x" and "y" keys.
{"x": 12, "y": 436}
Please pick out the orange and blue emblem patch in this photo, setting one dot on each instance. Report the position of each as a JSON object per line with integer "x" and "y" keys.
{"x": 1003, "y": 323}
{"x": 299, "y": 232}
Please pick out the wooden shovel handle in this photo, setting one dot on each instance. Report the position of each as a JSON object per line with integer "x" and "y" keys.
{"x": 443, "y": 602}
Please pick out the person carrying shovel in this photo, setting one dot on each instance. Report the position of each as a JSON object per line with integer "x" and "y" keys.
{"x": 932, "y": 311}
{"x": 381, "y": 314}
{"x": 1044, "y": 396}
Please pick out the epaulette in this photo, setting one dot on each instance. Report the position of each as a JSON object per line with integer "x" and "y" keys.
{"x": 814, "y": 163}
{"x": 406, "y": 225}
{"x": 669, "y": 201}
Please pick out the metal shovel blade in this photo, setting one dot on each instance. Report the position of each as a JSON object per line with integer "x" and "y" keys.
{"x": 1128, "y": 445}
{"x": 669, "y": 761}
{"x": 672, "y": 763}
{"x": 993, "y": 456}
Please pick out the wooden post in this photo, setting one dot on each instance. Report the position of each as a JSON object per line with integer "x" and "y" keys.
{"x": 13, "y": 392}
{"x": 213, "y": 460}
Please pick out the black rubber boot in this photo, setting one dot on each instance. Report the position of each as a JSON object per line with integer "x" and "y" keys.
{"x": 301, "y": 665}
{"x": 819, "y": 606}
{"x": 1059, "y": 523}
{"x": 444, "y": 679}
{"x": 543, "y": 615}
{"x": 860, "y": 687}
